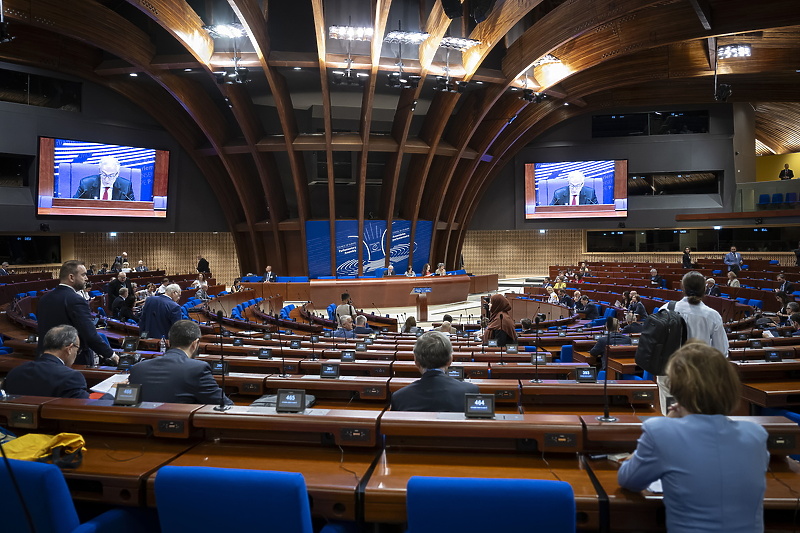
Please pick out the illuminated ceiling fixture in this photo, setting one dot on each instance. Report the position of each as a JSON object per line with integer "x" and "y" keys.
{"x": 445, "y": 83}
{"x": 722, "y": 91}
{"x": 406, "y": 37}
{"x": 528, "y": 94}
{"x": 733, "y": 50}
{"x": 458, "y": 43}
{"x": 5, "y": 36}
{"x": 234, "y": 31}
{"x": 226, "y": 31}
{"x": 397, "y": 80}
{"x": 350, "y": 33}
{"x": 546, "y": 59}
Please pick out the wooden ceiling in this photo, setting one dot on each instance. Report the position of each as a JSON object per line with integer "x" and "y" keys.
{"x": 270, "y": 149}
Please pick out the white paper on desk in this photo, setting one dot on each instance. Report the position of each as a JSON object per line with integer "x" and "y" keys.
{"x": 655, "y": 487}
{"x": 106, "y": 385}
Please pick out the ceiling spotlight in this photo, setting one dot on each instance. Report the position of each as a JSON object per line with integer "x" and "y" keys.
{"x": 723, "y": 92}
{"x": 405, "y": 37}
{"x": 232, "y": 75}
{"x": 452, "y": 8}
{"x": 545, "y": 59}
{"x": 530, "y": 96}
{"x": 225, "y": 31}
{"x": 298, "y": 68}
{"x": 400, "y": 80}
{"x": 458, "y": 43}
{"x": 733, "y": 50}
{"x": 446, "y": 84}
{"x": 348, "y": 77}
{"x": 350, "y": 33}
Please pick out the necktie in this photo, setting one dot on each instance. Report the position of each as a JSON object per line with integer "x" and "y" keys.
{"x": 574, "y": 200}
{"x": 105, "y": 193}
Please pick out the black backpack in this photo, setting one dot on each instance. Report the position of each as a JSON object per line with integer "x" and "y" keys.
{"x": 663, "y": 333}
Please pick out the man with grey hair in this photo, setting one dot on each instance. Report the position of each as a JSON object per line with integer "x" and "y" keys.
{"x": 435, "y": 390}
{"x": 51, "y": 374}
{"x": 4, "y": 269}
{"x": 160, "y": 312}
{"x": 176, "y": 376}
{"x": 575, "y": 193}
{"x": 361, "y": 326}
{"x": 108, "y": 185}
{"x": 345, "y": 330}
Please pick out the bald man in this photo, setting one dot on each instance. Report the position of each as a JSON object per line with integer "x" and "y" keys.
{"x": 107, "y": 185}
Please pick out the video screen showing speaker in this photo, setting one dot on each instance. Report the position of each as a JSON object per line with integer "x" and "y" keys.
{"x": 576, "y": 189}
{"x": 97, "y": 179}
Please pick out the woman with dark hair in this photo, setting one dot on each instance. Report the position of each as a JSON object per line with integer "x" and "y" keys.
{"x": 501, "y": 325}
{"x": 712, "y": 469}
{"x": 426, "y": 270}
{"x": 783, "y": 301}
{"x": 411, "y": 322}
{"x": 237, "y": 285}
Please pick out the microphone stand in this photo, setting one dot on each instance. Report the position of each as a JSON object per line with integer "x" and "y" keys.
{"x": 606, "y": 416}
{"x": 221, "y": 407}
{"x": 283, "y": 373}
{"x": 536, "y": 353}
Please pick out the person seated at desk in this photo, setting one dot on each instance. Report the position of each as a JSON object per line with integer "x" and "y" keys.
{"x": 237, "y": 285}
{"x": 771, "y": 324}
{"x": 121, "y": 309}
{"x": 552, "y": 296}
{"x": 733, "y": 281}
{"x": 501, "y": 326}
{"x": 345, "y": 330}
{"x": 712, "y": 289}
{"x": 269, "y": 275}
{"x": 546, "y": 283}
{"x": 410, "y": 272}
{"x": 637, "y": 307}
{"x": 712, "y": 469}
{"x": 435, "y": 390}
{"x": 527, "y": 327}
{"x": 176, "y": 376}
{"x": 389, "y": 271}
{"x": 162, "y": 289}
{"x": 51, "y": 374}
{"x": 410, "y": 323}
{"x": 614, "y": 338}
{"x": 361, "y": 326}
{"x": 655, "y": 279}
{"x": 426, "y": 270}
{"x": 635, "y": 324}
{"x": 449, "y": 328}
{"x": 589, "y": 310}
{"x": 565, "y": 299}
{"x": 560, "y": 283}
{"x": 107, "y": 185}
{"x": 440, "y": 270}
{"x": 783, "y": 285}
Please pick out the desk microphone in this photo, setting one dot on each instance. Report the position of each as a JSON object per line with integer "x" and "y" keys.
{"x": 376, "y": 308}
{"x": 536, "y": 379}
{"x": 283, "y": 373}
{"x": 221, "y": 406}
{"x": 606, "y": 416}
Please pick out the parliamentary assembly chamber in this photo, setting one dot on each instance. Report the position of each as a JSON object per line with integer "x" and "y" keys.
{"x": 419, "y": 157}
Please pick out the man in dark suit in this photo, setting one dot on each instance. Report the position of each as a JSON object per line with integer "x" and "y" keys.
{"x": 435, "y": 390}
{"x": 107, "y": 185}
{"x": 784, "y": 285}
{"x": 121, "y": 308}
{"x": 4, "y": 269}
{"x": 565, "y": 299}
{"x": 786, "y": 173}
{"x": 655, "y": 279}
{"x": 141, "y": 267}
{"x": 712, "y": 289}
{"x": 575, "y": 193}
{"x": 269, "y": 275}
{"x": 160, "y": 312}
{"x": 588, "y": 309}
{"x": 50, "y": 373}
{"x": 614, "y": 338}
{"x": 361, "y": 326}
{"x": 176, "y": 376}
{"x": 202, "y": 265}
{"x": 116, "y": 284}
{"x": 63, "y": 305}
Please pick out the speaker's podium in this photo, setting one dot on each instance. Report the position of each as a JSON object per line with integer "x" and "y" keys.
{"x": 421, "y": 296}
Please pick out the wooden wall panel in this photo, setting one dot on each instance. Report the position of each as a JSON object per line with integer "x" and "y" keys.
{"x": 519, "y": 253}
{"x": 173, "y": 252}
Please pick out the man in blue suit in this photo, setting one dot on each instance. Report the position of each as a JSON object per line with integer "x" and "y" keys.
{"x": 575, "y": 193}
{"x": 160, "y": 312}
{"x": 107, "y": 185}
{"x": 51, "y": 374}
{"x": 435, "y": 390}
{"x": 176, "y": 377}
{"x": 63, "y": 305}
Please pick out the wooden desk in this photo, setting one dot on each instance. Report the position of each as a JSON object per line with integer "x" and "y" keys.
{"x": 569, "y": 392}
{"x": 22, "y": 412}
{"x": 772, "y": 393}
{"x": 504, "y": 390}
{"x": 248, "y": 384}
{"x": 526, "y": 371}
{"x": 385, "y": 493}
{"x": 331, "y": 476}
{"x": 471, "y": 370}
{"x": 254, "y": 365}
{"x": 359, "y": 367}
{"x": 788, "y": 369}
{"x": 344, "y": 387}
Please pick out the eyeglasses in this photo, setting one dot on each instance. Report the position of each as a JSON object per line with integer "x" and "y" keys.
{"x": 77, "y": 346}
{"x": 109, "y": 174}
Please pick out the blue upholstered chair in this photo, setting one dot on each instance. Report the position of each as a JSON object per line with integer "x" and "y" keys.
{"x": 498, "y": 505}
{"x": 50, "y": 504}
{"x": 245, "y": 500}
{"x": 763, "y": 200}
{"x": 566, "y": 353}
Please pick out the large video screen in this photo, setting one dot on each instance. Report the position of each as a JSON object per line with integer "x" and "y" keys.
{"x": 576, "y": 189}
{"x": 96, "y": 179}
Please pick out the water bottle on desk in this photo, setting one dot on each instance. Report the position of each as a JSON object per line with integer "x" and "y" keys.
{"x": 162, "y": 345}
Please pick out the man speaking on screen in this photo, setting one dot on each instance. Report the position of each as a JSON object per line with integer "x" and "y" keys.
{"x": 107, "y": 185}
{"x": 575, "y": 193}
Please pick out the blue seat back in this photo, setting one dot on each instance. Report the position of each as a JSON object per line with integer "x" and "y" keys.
{"x": 566, "y": 353}
{"x": 763, "y": 199}
{"x": 248, "y": 500}
{"x": 777, "y": 198}
{"x": 506, "y": 505}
